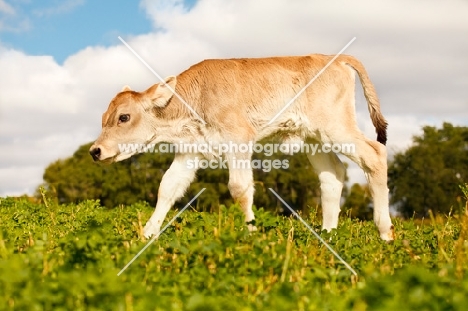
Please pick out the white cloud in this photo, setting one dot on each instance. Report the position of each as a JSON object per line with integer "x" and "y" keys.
{"x": 162, "y": 11}
{"x": 11, "y": 20}
{"x": 61, "y": 8}
{"x": 42, "y": 75}
{"x": 6, "y": 8}
{"x": 19, "y": 181}
{"x": 412, "y": 49}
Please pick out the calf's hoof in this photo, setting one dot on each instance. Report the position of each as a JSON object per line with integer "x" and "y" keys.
{"x": 389, "y": 235}
{"x": 251, "y": 227}
{"x": 150, "y": 230}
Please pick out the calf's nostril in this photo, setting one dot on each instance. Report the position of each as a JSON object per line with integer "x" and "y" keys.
{"x": 95, "y": 153}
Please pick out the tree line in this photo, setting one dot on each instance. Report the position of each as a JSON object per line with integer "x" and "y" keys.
{"x": 424, "y": 177}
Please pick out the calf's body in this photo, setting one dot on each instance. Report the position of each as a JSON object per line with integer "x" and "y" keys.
{"x": 237, "y": 99}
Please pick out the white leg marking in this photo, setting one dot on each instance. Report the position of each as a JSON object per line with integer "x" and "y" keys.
{"x": 173, "y": 185}
{"x": 371, "y": 156}
{"x": 241, "y": 184}
{"x": 331, "y": 173}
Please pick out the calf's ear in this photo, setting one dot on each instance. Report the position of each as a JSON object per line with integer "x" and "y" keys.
{"x": 159, "y": 94}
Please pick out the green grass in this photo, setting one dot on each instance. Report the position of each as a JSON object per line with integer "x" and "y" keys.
{"x": 66, "y": 257}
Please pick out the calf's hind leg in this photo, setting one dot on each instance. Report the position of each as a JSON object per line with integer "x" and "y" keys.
{"x": 371, "y": 156}
{"x": 241, "y": 185}
{"x": 331, "y": 173}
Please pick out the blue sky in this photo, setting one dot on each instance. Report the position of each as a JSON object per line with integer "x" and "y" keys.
{"x": 62, "y": 28}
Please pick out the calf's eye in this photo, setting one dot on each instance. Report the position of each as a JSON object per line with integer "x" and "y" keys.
{"x": 124, "y": 118}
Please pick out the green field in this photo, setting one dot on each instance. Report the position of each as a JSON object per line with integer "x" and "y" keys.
{"x": 66, "y": 257}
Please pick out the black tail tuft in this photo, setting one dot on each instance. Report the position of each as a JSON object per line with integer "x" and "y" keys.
{"x": 381, "y": 130}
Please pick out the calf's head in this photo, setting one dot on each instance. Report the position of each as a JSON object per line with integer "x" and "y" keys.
{"x": 130, "y": 119}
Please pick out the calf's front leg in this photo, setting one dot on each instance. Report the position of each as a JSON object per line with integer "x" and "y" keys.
{"x": 173, "y": 185}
